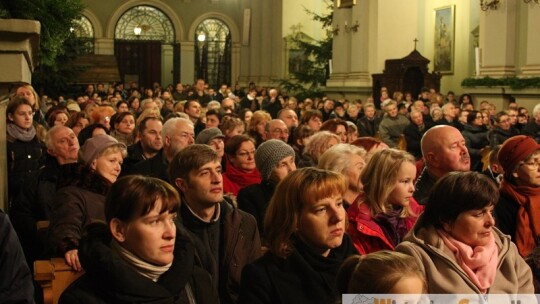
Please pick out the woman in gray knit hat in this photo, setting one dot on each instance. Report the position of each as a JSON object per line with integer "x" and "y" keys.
{"x": 275, "y": 160}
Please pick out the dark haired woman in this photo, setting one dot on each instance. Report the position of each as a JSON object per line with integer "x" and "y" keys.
{"x": 123, "y": 125}
{"x": 140, "y": 255}
{"x": 475, "y": 135}
{"x": 24, "y": 150}
{"x": 457, "y": 246}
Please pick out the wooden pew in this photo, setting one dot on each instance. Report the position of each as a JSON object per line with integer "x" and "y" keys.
{"x": 54, "y": 276}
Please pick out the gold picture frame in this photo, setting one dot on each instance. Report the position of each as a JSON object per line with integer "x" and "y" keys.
{"x": 444, "y": 42}
{"x": 345, "y": 3}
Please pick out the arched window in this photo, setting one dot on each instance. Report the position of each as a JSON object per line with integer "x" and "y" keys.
{"x": 83, "y": 29}
{"x": 213, "y": 52}
{"x": 144, "y": 23}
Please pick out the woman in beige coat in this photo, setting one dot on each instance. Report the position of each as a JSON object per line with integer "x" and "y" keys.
{"x": 457, "y": 246}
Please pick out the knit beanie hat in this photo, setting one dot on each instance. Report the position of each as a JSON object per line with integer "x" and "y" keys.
{"x": 514, "y": 150}
{"x": 206, "y": 135}
{"x": 269, "y": 154}
{"x": 95, "y": 145}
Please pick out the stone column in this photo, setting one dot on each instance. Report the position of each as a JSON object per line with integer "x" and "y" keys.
{"x": 498, "y": 34}
{"x": 104, "y": 46}
{"x": 19, "y": 49}
{"x": 532, "y": 57}
{"x": 187, "y": 61}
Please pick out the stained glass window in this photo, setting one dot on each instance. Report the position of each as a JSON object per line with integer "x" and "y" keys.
{"x": 213, "y": 52}
{"x": 144, "y": 23}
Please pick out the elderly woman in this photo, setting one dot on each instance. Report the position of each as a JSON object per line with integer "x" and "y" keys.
{"x": 518, "y": 210}
{"x": 140, "y": 255}
{"x": 317, "y": 145}
{"x": 241, "y": 168}
{"x": 457, "y": 246}
{"x": 82, "y": 200}
{"x": 305, "y": 230}
{"x": 274, "y": 160}
{"x": 349, "y": 161}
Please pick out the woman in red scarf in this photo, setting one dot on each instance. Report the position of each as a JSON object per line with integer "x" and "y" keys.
{"x": 241, "y": 169}
{"x": 518, "y": 210}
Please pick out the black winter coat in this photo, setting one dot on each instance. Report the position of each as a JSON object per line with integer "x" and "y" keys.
{"x": 15, "y": 279}
{"x": 254, "y": 200}
{"x": 475, "y": 139}
{"x": 303, "y": 277}
{"x": 497, "y": 136}
{"x": 75, "y": 207}
{"x": 109, "y": 279}
{"x": 35, "y": 204}
{"x": 23, "y": 158}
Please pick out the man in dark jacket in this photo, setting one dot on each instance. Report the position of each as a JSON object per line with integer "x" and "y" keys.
{"x": 368, "y": 125}
{"x": 414, "y": 132}
{"x": 149, "y": 145}
{"x": 272, "y": 103}
{"x": 228, "y": 234}
{"x": 444, "y": 150}
{"x": 35, "y": 202}
{"x": 533, "y": 127}
{"x": 177, "y": 133}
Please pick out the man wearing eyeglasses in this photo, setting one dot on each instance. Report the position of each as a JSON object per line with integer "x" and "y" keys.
{"x": 177, "y": 134}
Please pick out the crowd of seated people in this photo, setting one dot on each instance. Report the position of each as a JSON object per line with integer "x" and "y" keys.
{"x": 186, "y": 194}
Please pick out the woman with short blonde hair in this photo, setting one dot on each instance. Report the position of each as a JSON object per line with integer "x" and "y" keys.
{"x": 304, "y": 225}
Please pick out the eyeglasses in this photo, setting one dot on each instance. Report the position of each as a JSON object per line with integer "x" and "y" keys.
{"x": 246, "y": 154}
{"x": 532, "y": 164}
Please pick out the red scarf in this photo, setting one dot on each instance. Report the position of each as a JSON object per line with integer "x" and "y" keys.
{"x": 528, "y": 218}
{"x": 235, "y": 179}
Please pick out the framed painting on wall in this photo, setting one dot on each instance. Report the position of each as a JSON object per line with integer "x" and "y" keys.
{"x": 345, "y": 3}
{"x": 443, "y": 61}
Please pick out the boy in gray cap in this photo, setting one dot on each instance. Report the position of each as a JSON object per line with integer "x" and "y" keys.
{"x": 275, "y": 160}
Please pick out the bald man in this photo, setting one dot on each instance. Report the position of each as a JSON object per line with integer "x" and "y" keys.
{"x": 444, "y": 150}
